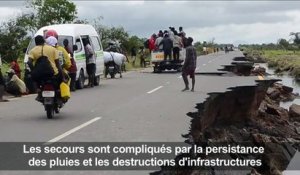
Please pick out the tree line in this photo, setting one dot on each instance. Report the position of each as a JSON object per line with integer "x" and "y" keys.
{"x": 292, "y": 44}
{"x": 16, "y": 33}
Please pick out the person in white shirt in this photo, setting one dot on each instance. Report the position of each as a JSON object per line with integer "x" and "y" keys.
{"x": 158, "y": 40}
{"x": 177, "y": 45}
{"x": 90, "y": 62}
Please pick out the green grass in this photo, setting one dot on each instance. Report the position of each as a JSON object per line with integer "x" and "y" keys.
{"x": 280, "y": 60}
{"x": 130, "y": 66}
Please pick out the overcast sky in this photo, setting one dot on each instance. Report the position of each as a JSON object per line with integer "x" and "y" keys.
{"x": 223, "y": 21}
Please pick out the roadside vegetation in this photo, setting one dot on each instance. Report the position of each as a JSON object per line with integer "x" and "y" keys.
{"x": 283, "y": 56}
{"x": 16, "y": 33}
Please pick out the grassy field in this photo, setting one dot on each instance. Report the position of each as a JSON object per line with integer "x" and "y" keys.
{"x": 280, "y": 60}
{"x": 130, "y": 66}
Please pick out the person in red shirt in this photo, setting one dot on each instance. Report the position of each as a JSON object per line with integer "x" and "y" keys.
{"x": 15, "y": 66}
{"x": 152, "y": 42}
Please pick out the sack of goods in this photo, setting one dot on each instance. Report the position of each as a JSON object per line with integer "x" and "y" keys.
{"x": 107, "y": 57}
{"x": 119, "y": 58}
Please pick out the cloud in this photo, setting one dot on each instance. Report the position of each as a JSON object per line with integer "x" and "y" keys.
{"x": 8, "y": 13}
{"x": 227, "y": 21}
{"x": 144, "y": 18}
{"x": 249, "y": 33}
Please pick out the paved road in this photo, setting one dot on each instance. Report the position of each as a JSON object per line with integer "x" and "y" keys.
{"x": 141, "y": 106}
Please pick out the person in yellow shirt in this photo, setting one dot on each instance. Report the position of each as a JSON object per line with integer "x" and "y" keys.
{"x": 46, "y": 50}
{"x": 42, "y": 49}
{"x": 63, "y": 55}
{"x": 66, "y": 58}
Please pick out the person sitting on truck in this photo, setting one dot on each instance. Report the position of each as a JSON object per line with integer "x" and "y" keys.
{"x": 183, "y": 40}
{"x": 160, "y": 33}
{"x": 167, "y": 44}
{"x": 171, "y": 33}
{"x": 181, "y": 31}
{"x": 152, "y": 42}
{"x": 157, "y": 42}
{"x": 177, "y": 44}
{"x": 189, "y": 65}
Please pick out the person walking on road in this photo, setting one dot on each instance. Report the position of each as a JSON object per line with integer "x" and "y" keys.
{"x": 189, "y": 65}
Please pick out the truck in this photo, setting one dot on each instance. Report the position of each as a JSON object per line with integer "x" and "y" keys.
{"x": 159, "y": 64}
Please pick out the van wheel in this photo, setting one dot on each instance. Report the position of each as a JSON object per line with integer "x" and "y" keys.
{"x": 97, "y": 80}
{"x": 81, "y": 80}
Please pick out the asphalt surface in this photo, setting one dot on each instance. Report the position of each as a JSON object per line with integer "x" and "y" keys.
{"x": 140, "y": 107}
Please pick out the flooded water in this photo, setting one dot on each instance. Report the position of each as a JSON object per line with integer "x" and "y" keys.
{"x": 286, "y": 80}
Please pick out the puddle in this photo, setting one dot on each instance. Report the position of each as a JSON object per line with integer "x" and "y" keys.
{"x": 286, "y": 80}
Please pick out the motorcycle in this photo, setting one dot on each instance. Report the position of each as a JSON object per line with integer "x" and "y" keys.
{"x": 51, "y": 98}
{"x": 111, "y": 69}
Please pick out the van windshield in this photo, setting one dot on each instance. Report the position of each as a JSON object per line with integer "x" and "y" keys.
{"x": 61, "y": 38}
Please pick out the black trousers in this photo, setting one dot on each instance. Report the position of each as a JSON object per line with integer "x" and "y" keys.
{"x": 91, "y": 70}
{"x": 176, "y": 53}
{"x": 167, "y": 53}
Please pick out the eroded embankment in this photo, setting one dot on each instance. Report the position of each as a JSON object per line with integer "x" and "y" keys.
{"x": 247, "y": 114}
{"x": 243, "y": 114}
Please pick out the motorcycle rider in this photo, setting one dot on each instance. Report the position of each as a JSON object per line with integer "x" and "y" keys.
{"x": 52, "y": 54}
{"x": 63, "y": 55}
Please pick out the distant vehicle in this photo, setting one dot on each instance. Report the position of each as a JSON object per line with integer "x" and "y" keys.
{"x": 157, "y": 58}
{"x": 75, "y": 33}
